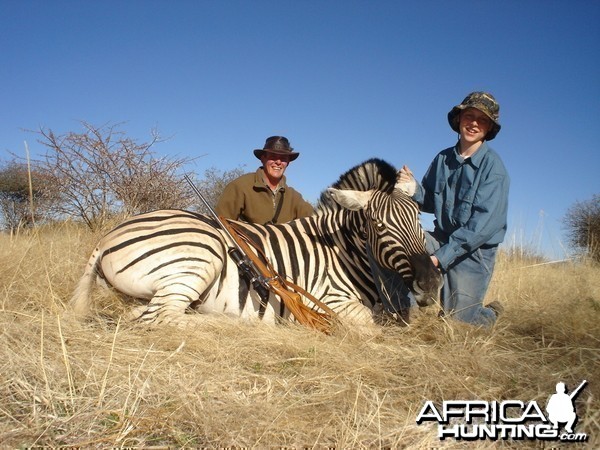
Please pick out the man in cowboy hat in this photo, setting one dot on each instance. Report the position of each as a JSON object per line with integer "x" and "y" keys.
{"x": 263, "y": 196}
{"x": 466, "y": 188}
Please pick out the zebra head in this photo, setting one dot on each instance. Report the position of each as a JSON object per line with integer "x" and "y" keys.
{"x": 392, "y": 230}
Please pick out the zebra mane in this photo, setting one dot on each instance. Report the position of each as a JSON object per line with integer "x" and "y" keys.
{"x": 372, "y": 174}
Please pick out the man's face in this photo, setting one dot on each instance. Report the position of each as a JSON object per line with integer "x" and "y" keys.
{"x": 274, "y": 164}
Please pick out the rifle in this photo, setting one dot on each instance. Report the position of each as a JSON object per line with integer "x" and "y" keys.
{"x": 263, "y": 277}
{"x": 254, "y": 277}
{"x": 574, "y": 394}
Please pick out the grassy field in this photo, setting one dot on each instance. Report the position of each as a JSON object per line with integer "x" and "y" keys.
{"x": 107, "y": 383}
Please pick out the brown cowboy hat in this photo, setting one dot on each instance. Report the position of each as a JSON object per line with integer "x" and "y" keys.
{"x": 278, "y": 145}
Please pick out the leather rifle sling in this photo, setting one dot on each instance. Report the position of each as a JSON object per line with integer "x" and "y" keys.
{"x": 289, "y": 292}
{"x": 279, "y": 206}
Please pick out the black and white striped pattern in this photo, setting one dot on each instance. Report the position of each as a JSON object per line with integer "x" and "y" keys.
{"x": 176, "y": 259}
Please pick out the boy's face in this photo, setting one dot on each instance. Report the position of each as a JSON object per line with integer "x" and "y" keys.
{"x": 474, "y": 125}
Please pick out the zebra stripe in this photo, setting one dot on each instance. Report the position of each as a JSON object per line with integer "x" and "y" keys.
{"x": 177, "y": 258}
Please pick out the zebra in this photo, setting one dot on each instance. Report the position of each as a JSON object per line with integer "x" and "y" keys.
{"x": 177, "y": 260}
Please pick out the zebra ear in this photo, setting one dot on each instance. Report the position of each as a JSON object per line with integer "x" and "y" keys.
{"x": 352, "y": 200}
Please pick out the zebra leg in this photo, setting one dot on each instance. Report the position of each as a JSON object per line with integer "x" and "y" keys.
{"x": 351, "y": 311}
{"x": 176, "y": 290}
{"x": 356, "y": 317}
{"x": 168, "y": 306}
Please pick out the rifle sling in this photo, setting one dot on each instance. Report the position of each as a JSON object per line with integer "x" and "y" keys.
{"x": 268, "y": 271}
{"x": 279, "y": 206}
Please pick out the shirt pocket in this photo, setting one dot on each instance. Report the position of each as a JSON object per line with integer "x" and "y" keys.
{"x": 464, "y": 206}
{"x": 439, "y": 186}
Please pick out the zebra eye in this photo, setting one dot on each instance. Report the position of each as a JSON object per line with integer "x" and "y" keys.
{"x": 379, "y": 226}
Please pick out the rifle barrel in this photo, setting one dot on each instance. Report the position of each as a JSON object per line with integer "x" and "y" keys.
{"x": 212, "y": 211}
{"x": 579, "y": 388}
{"x": 236, "y": 252}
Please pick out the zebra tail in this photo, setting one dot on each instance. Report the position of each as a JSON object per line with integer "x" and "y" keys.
{"x": 81, "y": 301}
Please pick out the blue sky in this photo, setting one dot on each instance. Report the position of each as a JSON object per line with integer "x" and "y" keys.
{"x": 343, "y": 80}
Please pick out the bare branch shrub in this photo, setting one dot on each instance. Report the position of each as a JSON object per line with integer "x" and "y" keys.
{"x": 582, "y": 222}
{"x": 100, "y": 172}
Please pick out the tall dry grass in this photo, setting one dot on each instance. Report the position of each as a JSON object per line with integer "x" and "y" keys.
{"x": 107, "y": 383}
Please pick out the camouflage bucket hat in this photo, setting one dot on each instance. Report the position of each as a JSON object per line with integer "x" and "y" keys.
{"x": 484, "y": 102}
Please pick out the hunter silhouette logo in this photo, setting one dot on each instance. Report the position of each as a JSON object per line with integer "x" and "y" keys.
{"x": 508, "y": 419}
{"x": 560, "y": 407}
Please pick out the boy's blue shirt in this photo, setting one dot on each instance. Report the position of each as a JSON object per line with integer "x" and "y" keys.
{"x": 469, "y": 198}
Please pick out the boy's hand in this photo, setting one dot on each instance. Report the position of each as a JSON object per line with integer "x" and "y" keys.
{"x": 405, "y": 181}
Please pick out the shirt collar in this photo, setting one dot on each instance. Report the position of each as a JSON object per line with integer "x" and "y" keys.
{"x": 261, "y": 183}
{"x": 475, "y": 159}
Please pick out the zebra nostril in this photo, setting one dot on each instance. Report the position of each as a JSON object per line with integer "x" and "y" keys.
{"x": 427, "y": 289}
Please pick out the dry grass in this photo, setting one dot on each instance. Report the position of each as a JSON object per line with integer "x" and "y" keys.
{"x": 107, "y": 383}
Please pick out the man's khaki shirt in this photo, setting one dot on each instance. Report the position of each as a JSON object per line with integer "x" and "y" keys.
{"x": 248, "y": 198}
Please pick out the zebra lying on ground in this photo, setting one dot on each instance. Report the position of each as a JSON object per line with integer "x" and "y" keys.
{"x": 177, "y": 259}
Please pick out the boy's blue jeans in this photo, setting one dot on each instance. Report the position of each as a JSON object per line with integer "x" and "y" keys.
{"x": 465, "y": 284}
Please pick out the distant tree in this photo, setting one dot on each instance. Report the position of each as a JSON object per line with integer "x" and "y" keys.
{"x": 212, "y": 185}
{"x": 582, "y": 222}
{"x": 100, "y": 172}
{"x": 15, "y": 201}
